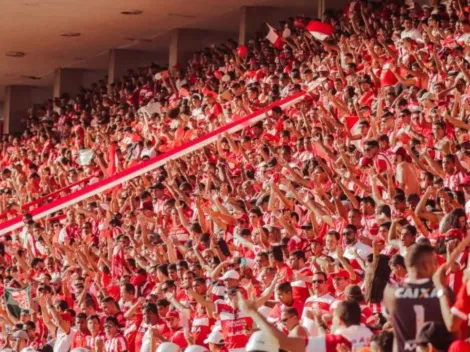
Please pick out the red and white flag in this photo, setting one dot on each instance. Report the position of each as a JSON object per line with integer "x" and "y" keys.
{"x": 387, "y": 77}
{"x": 352, "y": 124}
{"x": 320, "y": 30}
{"x": 274, "y": 38}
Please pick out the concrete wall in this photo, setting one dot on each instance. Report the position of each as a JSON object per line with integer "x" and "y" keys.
{"x": 67, "y": 80}
{"x": 185, "y": 42}
{"x": 121, "y": 60}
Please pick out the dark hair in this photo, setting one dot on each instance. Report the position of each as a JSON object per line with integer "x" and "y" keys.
{"x": 416, "y": 255}
{"x": 94, "y": 316}
{"x": 411, "y": 229}
{"x": 387, "y": 225}
{"x": 291, "y": 311}
{"x": 334, "y": 233}
{"x": 384, "y": 341}
{"x": 284, "y": 287}
{"x": 451, "y": 220}
{"x": 321, "y": 273}
{"x": 397, "y": 259}
{"x": 113, "y": 320}
{"x": 276, "y": 252}
{"x": 349, "y": 312}
{"x": 129, "y": 288}
{"x": 298, "y": 254}
{"x": 376, "y": 279}
{"x": 151, "y": 308}
{"x": 384, "y": 209}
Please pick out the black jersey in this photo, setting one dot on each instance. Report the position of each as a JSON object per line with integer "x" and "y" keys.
{"x": 409, "y": 306}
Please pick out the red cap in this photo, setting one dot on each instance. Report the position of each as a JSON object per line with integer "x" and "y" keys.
{"x": 340, "y": 273}
{"x": 172, "y": 314}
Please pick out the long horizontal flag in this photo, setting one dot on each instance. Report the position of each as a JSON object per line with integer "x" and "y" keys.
{"x": 147, "y": 166}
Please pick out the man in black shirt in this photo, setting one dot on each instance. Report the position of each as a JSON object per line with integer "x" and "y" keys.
{"x": 416, "y": 301}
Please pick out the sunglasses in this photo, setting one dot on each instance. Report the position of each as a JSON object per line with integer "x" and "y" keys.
{"x": 318, "y": 281}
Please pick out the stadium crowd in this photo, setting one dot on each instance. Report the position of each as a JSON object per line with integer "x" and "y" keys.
{"x": 337, "y": 224}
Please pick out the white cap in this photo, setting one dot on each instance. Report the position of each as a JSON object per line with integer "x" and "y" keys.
{"x": 231, "y": 274}
{"x": 215, "y": 337}
{"x": 30, "y": 349}
{"x": 262, "y": 342}
{"x": 196, "y": 348}
{"x": 168, "y": 347}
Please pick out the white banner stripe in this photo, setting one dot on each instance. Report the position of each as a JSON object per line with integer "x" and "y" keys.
{"x": 184, "y": 151}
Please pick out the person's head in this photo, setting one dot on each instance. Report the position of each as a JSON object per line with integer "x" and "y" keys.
{"x": 397, "y": 265}
{"x": 399, "y": 202}
{"x": 199, "y": 286}
{"x": 320, "y": 284}
{"x": 80, "y": 322}
{"x": 455, "y": 219}
{"x": 340, "y": 280}
{"x": 262, "y": 260}
{"x": 347, "y": 313}
{"x": 173, "y": 319}
{"x": 408, "y": 235}
{"x": 448, "y": 164}
{"x": 30, "y": 328}
{"x": 127, "y": 292}
{"x": 421, "y": 261}
{"x": 284, "y": 293}
{"x": 109, "y": 306}
{"x": 367, "y": 206}
{"x": 289, "y": 318}
{"x": 94, "y": 324}
{"x": 215, "y": 340}
{"x": 371, "y": 148}
{"x": 350, "y": 235}
{"x": 163, "y": 306}
{"x": 297, "y": 259}
{"x": 19, "y": 339}
{"x": 111, "y": 327}
{"x": 331, "y": 240}
{"x": 354, "y": 217}
{"x": 88, "y": 306}
{"x": 434, "y": 337}
{"x": 231, "y": 279}
{"x": 382, "y": 342}
{"x": 150, "y": 312}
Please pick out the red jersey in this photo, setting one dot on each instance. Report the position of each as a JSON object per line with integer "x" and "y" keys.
{"x": 177, "y": 337}
{"x": 201, "y": 328}
{"x": 79, "y": 339}
{"x": 116, "y": 344}
{"x": 236, "y": 325}
{"x": 300, "y": 289}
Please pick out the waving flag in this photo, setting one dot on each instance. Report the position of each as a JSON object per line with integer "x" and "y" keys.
{"x": 320, "y": 30}
{"x": 274, "y": 38}
{"x": 387, "y": 77}
{"x": 16, "y": 299}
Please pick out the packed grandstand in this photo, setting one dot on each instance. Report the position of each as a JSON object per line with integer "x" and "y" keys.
{"x": 307, "y": 191}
